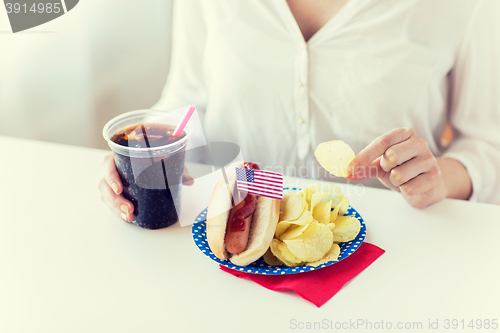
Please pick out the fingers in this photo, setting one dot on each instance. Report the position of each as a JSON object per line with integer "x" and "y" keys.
{"x": 118, "y": 204}
{"x": 424, "y": 197}
{"x": 403, "y": 152}
{"x": 411, "y": 169}
{"x": 110, "y": 174}
{"x": 186, "y": 177}
{"x": 424, "y": 188}
{"x": 394, "y": 156}
{"x": 379, "y": 146}
{"x": 422, "y": 183}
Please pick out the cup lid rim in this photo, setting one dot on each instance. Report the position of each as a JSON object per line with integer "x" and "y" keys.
{"x": 113, "y": 121}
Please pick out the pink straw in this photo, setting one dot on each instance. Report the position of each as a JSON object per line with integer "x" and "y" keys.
{"x": 178, "y": 131}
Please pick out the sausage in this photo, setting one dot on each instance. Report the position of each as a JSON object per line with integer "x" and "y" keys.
{"x": 240, "y": 218}
{"x": 238, "y": 226}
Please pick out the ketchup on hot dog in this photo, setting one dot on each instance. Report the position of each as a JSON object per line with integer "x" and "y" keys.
{"x": 240, "y": 219}
{"x": 238, "y": 222}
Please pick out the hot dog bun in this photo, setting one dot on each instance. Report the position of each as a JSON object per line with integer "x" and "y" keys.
{"x": 262, "y": 228}
{"x": 218, "y": 212}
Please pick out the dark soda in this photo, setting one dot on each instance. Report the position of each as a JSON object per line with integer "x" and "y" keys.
{"x": 151, "y": 183}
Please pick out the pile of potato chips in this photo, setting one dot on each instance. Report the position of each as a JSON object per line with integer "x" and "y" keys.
{"x": 308, "y": 231}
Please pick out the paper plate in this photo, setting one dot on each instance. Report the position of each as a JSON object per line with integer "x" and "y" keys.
{"x": 260, "y": 266}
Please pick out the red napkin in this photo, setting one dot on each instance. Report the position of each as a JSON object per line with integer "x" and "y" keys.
{"x": 320, "y": 285}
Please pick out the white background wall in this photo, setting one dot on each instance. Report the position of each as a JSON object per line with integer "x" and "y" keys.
{"x": 63, "y": 80}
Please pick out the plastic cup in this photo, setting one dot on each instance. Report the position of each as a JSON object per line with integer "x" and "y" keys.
{"x": 151, "y": 176}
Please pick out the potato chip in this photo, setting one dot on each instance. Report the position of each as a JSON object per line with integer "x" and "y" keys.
{"x": 306, "y": 194}
{"x": 281, "y": 228}
{"x": 289, "y": 258}
{"x": 344, "y": 206}
{"x": 271, "y": 259}
{"x": 321, "y": 213}
{"x": 316, "y": 199}
{"x": 281, "y": 251}
{"x": 294, "y": 231}
{"x": 331, "y": 226}
{"x": 335, "y": 157}
{"x": 313, "y": 244}
{"x": 286, "y": 194}
{"x": 314, "y": 188}
{"x": 346, "y": 229}
{"x": 334, "y": 214}
{"x": 308, "y": 228}
{"x": 334, "y": 194}
{"x": 294, "y": 207}
{"x": 331, "y": 255}
{"x": 305, "y": 218}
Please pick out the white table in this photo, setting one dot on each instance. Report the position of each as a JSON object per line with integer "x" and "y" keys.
{"x": 67, "y": 264}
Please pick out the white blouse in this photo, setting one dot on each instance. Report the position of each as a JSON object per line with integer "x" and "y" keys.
{"x": 375, "y": 66}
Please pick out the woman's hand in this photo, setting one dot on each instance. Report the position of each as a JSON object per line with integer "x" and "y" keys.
{"x": 111, "y": 188}
{"x": 403, "y": 162}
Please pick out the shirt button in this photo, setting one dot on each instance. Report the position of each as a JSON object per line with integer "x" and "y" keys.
{"x": 299, "y": 84}
{"x": 300, "y": 121}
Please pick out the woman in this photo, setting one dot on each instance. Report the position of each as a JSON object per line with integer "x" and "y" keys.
{"x": 279, "y": 77}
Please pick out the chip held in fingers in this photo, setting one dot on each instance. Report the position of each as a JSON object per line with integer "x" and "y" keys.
{"x": 335, "y": 157}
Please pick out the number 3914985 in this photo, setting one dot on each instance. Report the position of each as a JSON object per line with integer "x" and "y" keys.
{"x": 36, "y": 8}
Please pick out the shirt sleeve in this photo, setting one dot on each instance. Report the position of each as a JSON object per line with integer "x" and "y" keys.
{"x": 475, "y": 102}
{"x": 185, "y": 82}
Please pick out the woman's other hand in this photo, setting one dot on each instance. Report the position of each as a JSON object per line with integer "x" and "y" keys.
{"x": 111, "y": 189}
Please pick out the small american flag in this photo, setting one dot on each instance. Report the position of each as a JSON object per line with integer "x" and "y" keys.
{"x": 257, "y": 182}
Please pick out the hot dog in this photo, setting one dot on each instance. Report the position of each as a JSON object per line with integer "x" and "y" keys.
{"x": 240, "y": 226}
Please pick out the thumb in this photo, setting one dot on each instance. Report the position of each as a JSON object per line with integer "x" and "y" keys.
{"x": 371, "y": 171}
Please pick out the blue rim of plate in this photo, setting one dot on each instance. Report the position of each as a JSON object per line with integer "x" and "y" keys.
{"x": 260, "y": 267}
